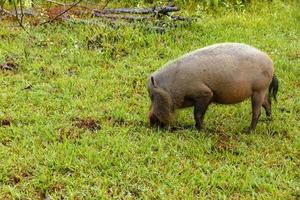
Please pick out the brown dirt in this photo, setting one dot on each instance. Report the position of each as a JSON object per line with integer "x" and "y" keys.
{"x": 17, "y": 178}
{"x": 8, "y": 66}
{"x": 55, "y": 11}
{"x": 87, "y": 123}
{"x": 5, "y": 122}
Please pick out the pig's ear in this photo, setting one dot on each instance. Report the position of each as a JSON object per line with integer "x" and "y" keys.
{"x": 153, "y": 82}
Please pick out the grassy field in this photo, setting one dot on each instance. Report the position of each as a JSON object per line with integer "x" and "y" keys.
{"x": 74, "y": 105}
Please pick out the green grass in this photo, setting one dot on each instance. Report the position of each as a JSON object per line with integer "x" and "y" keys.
{"x": 80, "y": 131}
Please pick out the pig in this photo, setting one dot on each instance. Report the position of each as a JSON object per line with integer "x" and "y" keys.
{"x": 224, "y": 73}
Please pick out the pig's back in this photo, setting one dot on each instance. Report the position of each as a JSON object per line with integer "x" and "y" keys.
{"x": 223, "y": 67}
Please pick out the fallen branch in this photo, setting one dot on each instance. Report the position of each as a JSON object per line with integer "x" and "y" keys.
{"x": 26, "y": 12}
{"x": 135, "y": 18}
{"x": 114, "y": 17}
{"x": 111, "y": 13}
{"x": 154, "y": 10}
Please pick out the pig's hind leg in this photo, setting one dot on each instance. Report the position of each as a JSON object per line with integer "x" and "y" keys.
{"x": 267, "y": 106}
{"x": 257, "y": 101}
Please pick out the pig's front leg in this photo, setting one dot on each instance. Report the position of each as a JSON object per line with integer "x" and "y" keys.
{"x": 201, "y": 104}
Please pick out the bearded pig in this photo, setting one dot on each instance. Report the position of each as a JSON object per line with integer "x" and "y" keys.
{"x": 225, "y": 73}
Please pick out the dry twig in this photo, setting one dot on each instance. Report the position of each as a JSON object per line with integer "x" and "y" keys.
{"x": 20, "y": 20}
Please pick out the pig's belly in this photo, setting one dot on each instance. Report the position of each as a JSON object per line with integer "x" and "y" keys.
{"x": 230, "y": 94}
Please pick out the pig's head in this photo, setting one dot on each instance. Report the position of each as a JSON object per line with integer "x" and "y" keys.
{"x": 153, "y": 119}
{"x": 160, "y": 109}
